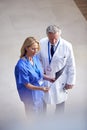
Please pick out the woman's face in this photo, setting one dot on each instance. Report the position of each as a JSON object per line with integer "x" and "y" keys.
{"x": 32, "y": 50}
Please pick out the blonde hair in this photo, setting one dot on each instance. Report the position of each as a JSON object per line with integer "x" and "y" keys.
{"x": 29, "y": 41}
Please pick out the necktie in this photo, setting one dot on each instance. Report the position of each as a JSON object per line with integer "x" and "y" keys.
{"x": 52, "y": 50}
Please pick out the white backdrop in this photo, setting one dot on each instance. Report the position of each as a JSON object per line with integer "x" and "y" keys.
{"x": 22, "y": 18}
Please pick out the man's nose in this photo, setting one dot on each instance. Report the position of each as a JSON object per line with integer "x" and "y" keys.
{"x": 53, "y": 41}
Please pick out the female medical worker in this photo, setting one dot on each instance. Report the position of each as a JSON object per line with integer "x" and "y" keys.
{"x": 29, "y": 75}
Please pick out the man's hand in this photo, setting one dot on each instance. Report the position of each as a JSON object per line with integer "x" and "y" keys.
{"x": 68, "y": 86}
{"x": 52, "y": 80}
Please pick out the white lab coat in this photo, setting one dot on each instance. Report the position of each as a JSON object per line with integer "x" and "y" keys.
{"x": 62, "y": 56}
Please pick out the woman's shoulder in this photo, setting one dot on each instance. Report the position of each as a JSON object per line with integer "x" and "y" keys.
{"x": 21, "y": 62}
{"x": 21, "y": 65}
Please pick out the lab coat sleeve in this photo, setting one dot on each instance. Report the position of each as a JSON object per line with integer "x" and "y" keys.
{"x": 71, "y": 69}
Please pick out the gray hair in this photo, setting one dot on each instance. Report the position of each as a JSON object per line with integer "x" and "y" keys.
{"x": 53, "y": 29}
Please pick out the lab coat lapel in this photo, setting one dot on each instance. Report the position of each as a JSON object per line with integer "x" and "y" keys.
{"x": 54, "y": 60}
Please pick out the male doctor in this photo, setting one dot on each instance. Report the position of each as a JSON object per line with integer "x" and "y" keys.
{"x": 56, "y": 55}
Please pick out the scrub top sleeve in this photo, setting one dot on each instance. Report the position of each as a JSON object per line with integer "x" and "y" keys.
{"x": 23, "y": 76}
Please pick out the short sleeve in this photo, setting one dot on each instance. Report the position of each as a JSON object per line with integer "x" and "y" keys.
{"x": 21, "y": 74}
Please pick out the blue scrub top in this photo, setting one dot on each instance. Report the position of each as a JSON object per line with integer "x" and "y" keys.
{"x": 25, "y": 73}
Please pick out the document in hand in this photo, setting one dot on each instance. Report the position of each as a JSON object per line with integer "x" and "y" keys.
{"x": 55, "y": 94}
{"x": 58, "y": 73}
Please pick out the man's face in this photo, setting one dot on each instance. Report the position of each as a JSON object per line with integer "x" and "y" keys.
{"x": 53, "y": 37}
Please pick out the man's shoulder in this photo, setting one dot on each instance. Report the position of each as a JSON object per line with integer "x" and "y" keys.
{"x": 45, "y": 39}
{"x": 66, "y": 43}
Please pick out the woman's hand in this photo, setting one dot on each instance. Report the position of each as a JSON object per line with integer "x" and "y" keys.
{"x": 45, "y": 89}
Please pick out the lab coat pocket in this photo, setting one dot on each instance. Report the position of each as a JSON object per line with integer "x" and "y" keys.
{"x": 62, "y": 60}
{"x": 59, "y": 62}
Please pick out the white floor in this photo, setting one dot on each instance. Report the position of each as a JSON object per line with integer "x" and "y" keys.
{"x": 22, "y": 18}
